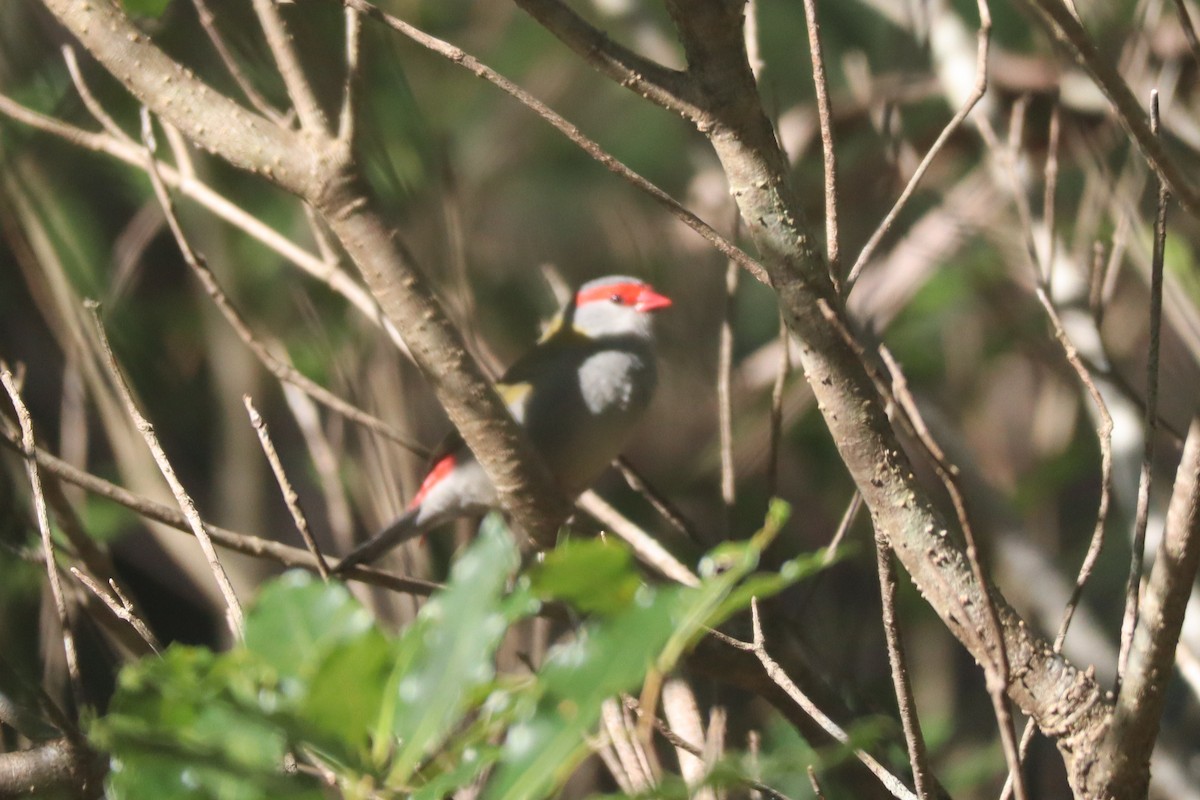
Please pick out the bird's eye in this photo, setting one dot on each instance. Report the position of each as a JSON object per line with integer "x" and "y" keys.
{"x": 618, "y": 299}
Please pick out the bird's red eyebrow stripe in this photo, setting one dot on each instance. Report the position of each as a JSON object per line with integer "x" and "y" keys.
{"x": 443, "y": 467}
{"x": 628, "y": 292}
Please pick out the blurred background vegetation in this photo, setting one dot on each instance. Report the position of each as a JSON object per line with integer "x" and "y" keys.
{"x": 491, "y": 201}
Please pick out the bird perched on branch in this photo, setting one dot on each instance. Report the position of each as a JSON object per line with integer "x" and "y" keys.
{"x": 578, "y": 393}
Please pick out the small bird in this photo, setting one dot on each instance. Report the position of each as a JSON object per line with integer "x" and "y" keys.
{"x": 578, "y": 393}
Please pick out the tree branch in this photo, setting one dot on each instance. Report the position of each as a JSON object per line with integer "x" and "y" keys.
{"x": 1152, "y": 658}
{"x": 319, "y": 169}
{"x": 1067, "y": 703}
{"x": 55, "y": 766}
{"x": 665, "y": 87}
{"x": 1057, "y": 20}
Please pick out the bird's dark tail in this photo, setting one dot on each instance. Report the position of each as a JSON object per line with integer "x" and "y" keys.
{"x": 399, "y": 530}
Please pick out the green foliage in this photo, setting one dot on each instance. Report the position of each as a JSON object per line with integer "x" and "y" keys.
{"x": 424, "y": 713}
{"x": 145, "y": 8}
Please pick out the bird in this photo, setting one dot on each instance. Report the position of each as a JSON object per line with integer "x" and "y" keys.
{"x": 579, "y": 393}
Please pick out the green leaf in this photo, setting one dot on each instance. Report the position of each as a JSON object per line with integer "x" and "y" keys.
{"x": 346, "y": 692}
{"x": 446, "y": 654}
{"x": 298, "y": 621}
{"x": 195, "y": 724}
{"x": 603, "y": 660}
{"x": 591, "y": 574}
{"x": 146, "y": 8}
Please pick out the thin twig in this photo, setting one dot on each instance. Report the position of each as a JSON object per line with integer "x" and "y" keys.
{"x": 777, "y": 674}
{"x": 847, "y": 521}
{"x": 724, "y": 393}
{"x": 89, "y": 100}
{"x": 818, "y": 793}
{"x": 1096, "y": 282}
{"x": 644, "y": 546}
{"x": 348, "y": 116}
{"x": 276, "y": 366}
{"x": 775, "y": 432}
{"x": 825, "y": 117}
{"x": 209, "y": 23}
{"x": 1189, "y": 31}
{"x": 1069, "y": 33}
{"x": 1140, "y": 705}
{"x": 997, "y": 671}
{"x": 680, "y": 743}
{"x": 120, "y": 606}
{"x": 28, "y": 449}
{"x": 671, "y": 89}
{"x": 253, "y": 546}
{"x": 279, "y": 40}
{"x": 568, "y": 129}
{"x": 1104, "y": 430}
{"x": 327, "y": 463}
{"x": 285, "y": 487}
{"x": 321, "y": 269}
{"x": 1048, "y": 196}
{"x": 1142, "y": 516}
{"x": 895, "y": 646}
{"x": 628, "y": 762}
{"x": 977, "y": 92}
{"x": 636, "y": 481}
{"x": 186, "y": 504}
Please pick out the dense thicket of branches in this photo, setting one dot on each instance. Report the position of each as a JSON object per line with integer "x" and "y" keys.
{"x": 940, "y": 262}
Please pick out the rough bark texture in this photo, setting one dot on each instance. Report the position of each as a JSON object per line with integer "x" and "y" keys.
{"x": 51, "y": 769}
{"x": 1140, "y": 706}
{"x": 1067, "y": 703}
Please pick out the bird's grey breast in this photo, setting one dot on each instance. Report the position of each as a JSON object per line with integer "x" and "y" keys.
{"x": 617, "y": 381}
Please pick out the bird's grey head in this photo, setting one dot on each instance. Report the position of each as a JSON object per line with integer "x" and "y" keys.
{"x": 616, "y": 305}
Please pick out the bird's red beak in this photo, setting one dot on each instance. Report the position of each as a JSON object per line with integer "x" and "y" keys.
{"x": 649, "y": 300}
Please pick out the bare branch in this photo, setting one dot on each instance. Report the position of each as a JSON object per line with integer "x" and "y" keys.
{"x": 28, "y": 448}
{"x": 1140, "y": 704}
{"x": 904, "y": 696}
{"x": 276, "y": 366}
{"x": 1150, "y": 426}
{"x": 775, "y": 427}
{"x": 209, "y": 23}
{"x": 89, "y": 100}
{"x": 724, "y": 392}
{"x": 279, "y": 39}
{"x": 458, "y": 56}
{"x": 254, "y": 546}
{"x": 644, "y": 546}
{"x": 120, "y": 606}
{"x": 981, "y": 79}
{"x": 1070, "y": 34}
{"x": 847, "y": 521}
{"x": 349, "y": 114}
{"x": 186, "y": 504}
{"x": 662, "y": 505}
{"x": 59, "y": 766}
{"x": 322, "y": 269}
{"x": 825, "y": 116}
{"x": 759, "y": 648}
{"x": 997, "y": 669}
{"x": 668, "y": 88}
{"x": 285, "y": 487}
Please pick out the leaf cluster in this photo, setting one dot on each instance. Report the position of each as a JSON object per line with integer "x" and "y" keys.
{"x": 319, "y": 696}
